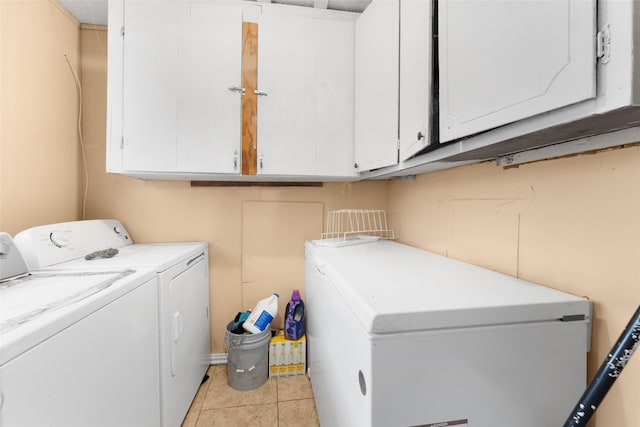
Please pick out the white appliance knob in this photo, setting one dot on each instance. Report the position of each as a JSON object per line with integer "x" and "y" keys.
{"x": 117, "y": 230}
{"x": 59, "y": 240}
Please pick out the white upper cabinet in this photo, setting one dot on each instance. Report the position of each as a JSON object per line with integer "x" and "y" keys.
{"x": 376, "y": 85}
{"x": 416, "y": 101}
{"x": 175, "y": 91}
{"x": 179, "y": 61}
{"x": 406, "y": 87}
{"x": 394, "y": 101}
{"x": 305, "y": 107}
{"x": 507, "y": 60}
{"x": 516, "y": 80}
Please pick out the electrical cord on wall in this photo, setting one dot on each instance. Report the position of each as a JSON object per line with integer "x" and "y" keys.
{"x": 84, "y": 157}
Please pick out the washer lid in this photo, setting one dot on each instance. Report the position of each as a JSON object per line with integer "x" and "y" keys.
{"x": 27, "y": 298}
{"x": 159, "y": 256}
{"x": 391, "y": 287}
{"x": 36, "y": 307}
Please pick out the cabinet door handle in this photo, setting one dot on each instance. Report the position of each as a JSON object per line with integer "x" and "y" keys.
{"x": 260, "y": 161}
{"x": 235, "y": 160}
{"x": 259, "y": 93}
{"x": 238, "y": 89}
{"x": 420, "y": 136}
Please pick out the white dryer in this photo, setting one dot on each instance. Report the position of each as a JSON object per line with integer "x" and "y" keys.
{"x": 183, "y": 295}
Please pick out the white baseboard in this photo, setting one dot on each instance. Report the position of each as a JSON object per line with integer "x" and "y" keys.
{"x": 218, "y": 358}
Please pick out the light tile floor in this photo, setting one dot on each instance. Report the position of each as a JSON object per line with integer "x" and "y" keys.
{"x": 280, "y": 402}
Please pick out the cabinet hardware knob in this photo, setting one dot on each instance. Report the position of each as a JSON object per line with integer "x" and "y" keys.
{"x": 259, "y": 93}
{"x": 420, "y": 136}
{"x": 238, "y": 89}
{"x": 355, "y": 165}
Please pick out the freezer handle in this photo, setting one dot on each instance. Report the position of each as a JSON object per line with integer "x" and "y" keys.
{"x": 195, "y": 258}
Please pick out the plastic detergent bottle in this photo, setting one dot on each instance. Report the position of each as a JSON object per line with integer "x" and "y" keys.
{"x": 262, "y": 315}
{"x": 294, "y": 317}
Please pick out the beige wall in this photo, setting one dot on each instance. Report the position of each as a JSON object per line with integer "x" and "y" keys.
{"x": 572, "y": 224}
{"x": 40, "y": 175}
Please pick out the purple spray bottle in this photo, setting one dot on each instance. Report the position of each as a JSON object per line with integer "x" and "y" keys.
{"x": 294, "y": 317}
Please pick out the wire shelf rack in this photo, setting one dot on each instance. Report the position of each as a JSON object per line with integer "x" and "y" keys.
{"x": 352, "y": 226}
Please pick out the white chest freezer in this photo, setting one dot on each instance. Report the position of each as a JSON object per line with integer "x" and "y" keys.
{"x": 402, "y": 337}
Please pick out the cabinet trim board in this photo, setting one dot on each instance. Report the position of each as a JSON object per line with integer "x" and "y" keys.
{"x": 249, "y": 98}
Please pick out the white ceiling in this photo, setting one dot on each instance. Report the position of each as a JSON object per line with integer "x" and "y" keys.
{"x": 95, "y": 11}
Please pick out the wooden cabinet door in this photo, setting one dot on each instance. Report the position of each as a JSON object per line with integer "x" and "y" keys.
{"x": 209, "y": 90}
{"x": 305, "y": 105}
{"x": 150, "y": 84}
{"x": 502, "y": 61}
{"x": 416, "y": 37}
{"x": 376, "y": 86}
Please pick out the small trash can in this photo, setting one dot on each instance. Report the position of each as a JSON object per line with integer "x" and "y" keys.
{"x": 248, "y": 358}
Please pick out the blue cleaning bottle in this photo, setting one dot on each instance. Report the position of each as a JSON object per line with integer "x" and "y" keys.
{"x": 294, "y": 317}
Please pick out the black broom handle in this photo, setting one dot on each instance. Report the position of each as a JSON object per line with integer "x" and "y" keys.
{"x": 609, "y": 371}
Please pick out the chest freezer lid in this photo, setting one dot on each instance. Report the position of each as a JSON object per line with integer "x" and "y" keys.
{"x": 391, "y": 288}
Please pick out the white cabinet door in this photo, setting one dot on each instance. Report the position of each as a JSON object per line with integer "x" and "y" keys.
{"x": 180, "y": 59}
{"x": 334, "y": 44}
{"x": 415, "y": 76}
{"x": 305, "y": 118}
{"x": 209, "y": 97}
{"x": 150, "y": 84}
{"x": 502, "y": 61}
{"x": 376, "y": 86}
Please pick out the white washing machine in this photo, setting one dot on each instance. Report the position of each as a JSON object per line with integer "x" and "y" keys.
{"x": 77, "y": 348}
{"x": 183, "y": 295}
{"x": 398, "y": 336}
